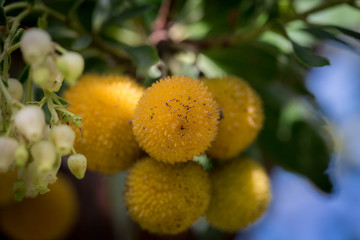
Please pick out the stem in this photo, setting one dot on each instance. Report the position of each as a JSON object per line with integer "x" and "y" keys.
{"x": 43, "y": 8}
{"x": 6, "y": 94}
{"x": 54, "y": 116}
{"x": 29, "y": 89}
{"x": 59, "y": 48}
{"x": 65, "y": 111}
{"x": 15, "y": 5}
{"x": 12, "y": 48}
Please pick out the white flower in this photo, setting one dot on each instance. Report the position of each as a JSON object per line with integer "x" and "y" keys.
{"x": 35, "y": 44}
{"x": 7, "y": 152}
{"x": 30, "y": 121}
{"x": 71, "y": 65}
{"x": 77, "y": 165}
{"x": 44, "y": 155}
{"x": 63, "y": 137}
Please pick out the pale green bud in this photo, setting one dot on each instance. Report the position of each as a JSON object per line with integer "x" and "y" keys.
{"x": 47, "y": 75}
{"x": 30, "y": 121}
{"x": 63, "y": 137}
{"x": 7, "y": 152}
{"x": 15, "y": 89}
{"x": 35, "y": 44}
{"x": 21, "y": 155}
{"x": 44, "y": 155}
{"x": 71, "y": 65}
{"x": 77, "y": 165}
{"x": 19, "y": 189}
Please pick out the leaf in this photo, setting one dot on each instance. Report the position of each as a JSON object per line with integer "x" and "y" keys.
{"x": 307, "y": 57}
{"x": 323, "y": 34}
{"x": 25, "y": 74}
{"x": 81, "y": 43}
{"x": 42, "y": 22}
{"x": 101, "y": 13}
{"x": 348, "y": 32}
{"x": 17, "y": 36}
{"x": 3, "y": 20}
{"x": 304, "y": 151}
{"x": 129, "y": 14}
{"x": 143, "y": 56}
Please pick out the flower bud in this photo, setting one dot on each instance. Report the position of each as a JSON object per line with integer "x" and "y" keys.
{"x": 63, "y": 137}
{"x": 19, "y": 189}
{"x": 35, "y": 44}
{"x": 76, "y": 120}
{"x": 46, "y": 74}
{"x": 21, "y": 155}
{"x": 30, "y": 121}
{"x": 77, "y": 165}
{"x": 44, "y": 155}
{"x": 7, "y": 152}
{"x": 71, "y": 65}
{"x": 15, "y": 89}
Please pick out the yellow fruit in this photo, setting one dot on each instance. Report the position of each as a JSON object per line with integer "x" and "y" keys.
{"x": 46, "y": 217}
{"x": 240, "y": 195}
{"x": 166, "y": 199}
{"x": 6, "y": 187}
{"x": 243, "y": 116}
{"x": 106, "y": 105}
{"x": 176, "y": 119}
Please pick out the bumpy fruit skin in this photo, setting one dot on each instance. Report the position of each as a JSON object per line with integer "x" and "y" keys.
{"x": 243, "y": 116}
{"x": 240, "y": 195}
{"x": 46, "y": 217}
{"x": 106, "y": 105}
{"x": 166, "y": 199}
{"x": 176, "y": 119}
{"x": 6, "y": 187}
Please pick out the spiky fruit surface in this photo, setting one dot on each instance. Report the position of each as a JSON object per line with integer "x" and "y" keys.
{"x": 166, "y": 199}
{"x": 240, "y": 195}
{"x": 106, "y": 105}
{"x": 176, "y": 119}
{"x": 243, "y": 116}
{"x": 6, "y": 187}
{"x": 46, "y": 217}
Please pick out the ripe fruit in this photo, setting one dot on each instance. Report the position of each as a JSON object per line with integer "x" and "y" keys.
{"x": 176, "y": 119}
{"x": 243, "y": 116}
{"x": 166, "y": 199}
{"x": 240, "y": 195}
{"x": 106, "y": 105}
{"x": 48, "y": 216}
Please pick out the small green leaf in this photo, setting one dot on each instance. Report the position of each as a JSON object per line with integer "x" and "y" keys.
{"x": 307, "y": 57}
{"x": 63, "y": 102}
{"x": 25, "y": 74}
{"x": 17, "y": 36}
{"x": 323, "y": 34}
{"x": 348, "y": 32}
{"x": 129, "y": 14}
{"x": 81, "y": 43}
{"x": 3, "y": 20}
{"x": 42, "y": 22}
{"x": 100, "y": 14}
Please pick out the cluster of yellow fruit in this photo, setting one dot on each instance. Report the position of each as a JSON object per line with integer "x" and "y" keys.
{"x": 48, "y": 216}
{"x": 174, "y": 120}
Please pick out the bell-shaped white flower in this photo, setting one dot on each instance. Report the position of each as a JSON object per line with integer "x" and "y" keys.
{"x": 77, "y": 165}
{"x": 63, "y": 137}
{"x": 35, "y": 44}
{"x": 71, "y": 65}
{"x": 8, "y": 147}
{"x": 44, "y": 155}
{"x": 30, "y": 121}
{"x": 47, "y": 75}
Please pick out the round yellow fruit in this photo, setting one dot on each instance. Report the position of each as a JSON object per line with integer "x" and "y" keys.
{"x": 243, "y": 116}
{"x": 240, "y": 195}
{"x": 46, "y": 217}
{"x": 6, "y": 187}
{"x": 106, "y": 105}
{"x": 166, "y": 199}
{"x": 176, "y": 119}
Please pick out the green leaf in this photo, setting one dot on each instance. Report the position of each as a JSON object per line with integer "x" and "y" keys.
{"x": 307, "y": 57}
{"x": 101, "y": 13}
{"x": 143, "y": 56}
{"x": 348, "y": 32}
{"x": 3, "y": 20}
{"x": 42, "y": 22}
{"x": 25, "y": 74}
{"x": 304, "y": 151}
{"x": 81, "y": 43}
{"x": 323, "y": 34}
{"x": 17, "y": 36}
{"x": 129, "y": 14}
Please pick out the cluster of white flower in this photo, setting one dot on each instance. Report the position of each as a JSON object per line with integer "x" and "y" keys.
{"x": 28, "y": 144}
